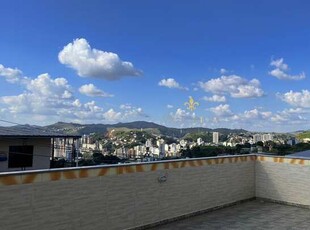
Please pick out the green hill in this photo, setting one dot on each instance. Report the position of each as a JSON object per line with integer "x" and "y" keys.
{"x": 303, "y": 135}
{"x": 80, "y": 129}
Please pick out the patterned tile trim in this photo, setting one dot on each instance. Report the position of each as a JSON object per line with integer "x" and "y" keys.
{"x": 80, "y": 173}
{"x": 70, "y": 174}
{"x": 294, "y": 161}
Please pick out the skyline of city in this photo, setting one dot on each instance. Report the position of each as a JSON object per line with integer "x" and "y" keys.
{"x": 245, "y": 64}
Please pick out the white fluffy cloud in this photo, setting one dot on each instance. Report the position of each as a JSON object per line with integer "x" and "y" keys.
{"x": 280, "y": 71}
{"x": 45, "y": 86}
{"x": 125, "y": 106}
{"x": 221, "y": 110}
{"x": 170, "y": 106}
{"x": 10, "y": 75}
{"x": 258, "y": 119}
{"x": 294, "y": 111}
{"x": 215, "y": 98}
{"x": 89, "y": 62}
{"x": 223, "y": 71}
{"x": 130, "y": 111}
{"x": 42, "y": 96}
{"x": 298, "y": 99}
{"x": 46, "y": 100}
{"x": 277, "y": 118}
{"x": 233, "y": 85}
{"x": 112, "y": 115}
{"x": 92, "y": 91}
{"x": 256, "y": 114}
{"x": 181, "y": 115}
{"x": 171, "y": 83}
{"x": 291, "y": 117}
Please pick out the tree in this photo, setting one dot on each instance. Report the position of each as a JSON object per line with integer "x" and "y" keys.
{"x": 109, "y": 147}
{"x": 98, "y": 157}
{"x": 283, "y": 149}
{"x": 186, "y": 152}
{"x": 238, "y": 148}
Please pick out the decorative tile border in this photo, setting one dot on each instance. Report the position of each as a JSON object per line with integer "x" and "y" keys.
{"x": 29, "y": 177}
{"x": 287, "y": 160}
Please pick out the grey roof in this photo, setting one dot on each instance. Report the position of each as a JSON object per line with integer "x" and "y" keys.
{"x": 31, "y": 131}
{"x": 301, "y": 154}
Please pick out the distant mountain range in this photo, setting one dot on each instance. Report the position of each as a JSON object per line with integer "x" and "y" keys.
{"x": 80, "y": 129}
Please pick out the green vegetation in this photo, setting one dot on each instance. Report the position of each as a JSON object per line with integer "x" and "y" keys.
{"x": 129, "y": 137}
{"x": 303, "y": 135}
{"x": 97, "y": 136}
{"x": 72, "y": 128}
{"x": 168, "y": 140}
{"x": 288, "y": 149}
{"x": 96, "y": 158}
{"x": 99, "y": 158}
{"x": 127, "y": 134}
{"x": 268, "y": 147}
{"x": 109, "y": 146}
{"x": 207, "y": 151}
{"x": 205, "y": 136}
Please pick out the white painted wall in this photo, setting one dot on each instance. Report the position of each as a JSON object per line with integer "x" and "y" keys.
{"x": 41, "y": 152}
{"x": 283, "y": 182}
{"x": 115, "y": 202}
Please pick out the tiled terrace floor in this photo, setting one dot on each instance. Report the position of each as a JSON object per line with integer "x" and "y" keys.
{"x": 255, "y": 214}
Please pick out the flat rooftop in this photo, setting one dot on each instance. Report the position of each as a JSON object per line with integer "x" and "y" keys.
{"x": 26, "y": 131}
{"x": 256, "y": 214}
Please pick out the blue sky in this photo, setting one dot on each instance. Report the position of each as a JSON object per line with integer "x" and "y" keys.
{"x": 245, "y": 62}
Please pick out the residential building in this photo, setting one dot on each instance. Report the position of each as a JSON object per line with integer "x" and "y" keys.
{"x": 28, "y": 148}
{"x": 199, "y": 141}
{"x": 257, "y": 138}
{"x": 215, "y": 138}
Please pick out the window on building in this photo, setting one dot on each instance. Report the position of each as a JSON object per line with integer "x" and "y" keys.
{"x": 20, "y": 156}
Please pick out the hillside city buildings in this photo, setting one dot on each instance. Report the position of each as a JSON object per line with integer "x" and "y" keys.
{"x": 37, "y": 146}
{"x": 155, "y": 147}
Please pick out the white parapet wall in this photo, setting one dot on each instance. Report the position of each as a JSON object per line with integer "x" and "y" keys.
{"x": 135, "y": 195}
{"x": 122, "y": 196}
{"x": 283, "y": 179}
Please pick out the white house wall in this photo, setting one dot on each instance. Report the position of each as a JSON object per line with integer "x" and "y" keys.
{"x": 41, "y": 152}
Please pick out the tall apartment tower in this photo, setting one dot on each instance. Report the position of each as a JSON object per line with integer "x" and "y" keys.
{"x": 215, "y": 137}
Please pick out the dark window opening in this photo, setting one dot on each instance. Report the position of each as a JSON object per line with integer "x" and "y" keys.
{"x": 20, "y": 156}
